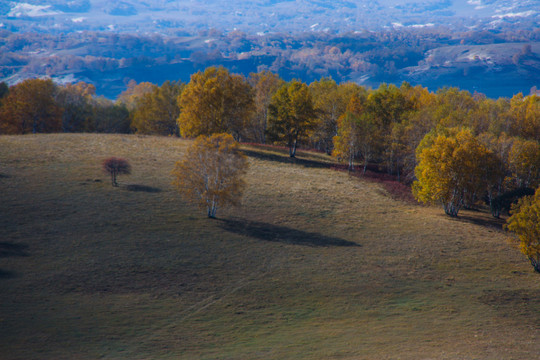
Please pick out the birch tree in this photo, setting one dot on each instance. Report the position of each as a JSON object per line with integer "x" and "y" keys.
{"x": 211, "y": 173}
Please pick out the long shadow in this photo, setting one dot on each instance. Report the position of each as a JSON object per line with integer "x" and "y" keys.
{"x": 286, "y": 159}
{"x": 7, "y": 274}
{"x": 482, "y": 221}
{"x": 282, "y": 234}
{"x": 8, "y": 249}
{"x": 142, "y": 188}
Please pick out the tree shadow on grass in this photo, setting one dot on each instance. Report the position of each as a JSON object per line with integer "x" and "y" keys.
{"x": 8, "y": 249}
{"x": 142, "y": 188}
{"x": 286, "y": 159}
{"x": 282, "y": 234}
{"x": 6, "y": 274}
{"x": 484, "y": 220}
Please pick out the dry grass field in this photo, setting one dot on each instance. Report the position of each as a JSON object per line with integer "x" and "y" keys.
{"x": 315, "y": 264}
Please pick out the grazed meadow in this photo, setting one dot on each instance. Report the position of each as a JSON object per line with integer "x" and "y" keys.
{"x": 316, "y": 264}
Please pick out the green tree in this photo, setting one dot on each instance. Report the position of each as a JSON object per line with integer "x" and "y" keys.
{"x": 291, "y": 115}
{"x": 30, "y": 107}
{"x": 215, "y": 101}
{"x": 156, "y": 112}
{"x": 452, "y": 169}
{"x": 211, "y": 172}
{"x": 525, "y": 223}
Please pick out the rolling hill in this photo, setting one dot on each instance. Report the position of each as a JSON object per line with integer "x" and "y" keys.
{"x": 315, "y": 264}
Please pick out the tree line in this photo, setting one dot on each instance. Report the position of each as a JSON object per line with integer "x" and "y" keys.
{"x": 407, "y": 131}
{"x": 455, "y": 148}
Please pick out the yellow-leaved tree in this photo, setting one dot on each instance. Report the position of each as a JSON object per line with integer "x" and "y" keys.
{"x": 453, "y": 169}
{"x": 525, "y": 223}
{"x": 30, "y": 107}
{"x": 211, "y": 172}
{"x": 215, "y": 101}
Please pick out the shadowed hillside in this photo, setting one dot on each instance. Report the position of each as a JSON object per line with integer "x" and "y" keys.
{"x": 315, "y": 264}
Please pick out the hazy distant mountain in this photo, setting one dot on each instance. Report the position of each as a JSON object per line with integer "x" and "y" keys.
{"x": 489, "y": 46}
{"x": 175, "y": 17}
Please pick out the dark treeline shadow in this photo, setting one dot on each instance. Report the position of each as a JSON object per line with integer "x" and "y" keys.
{"x": 142, "y": 188}
{"x": 282, "y": 234}
{"x": 8, "y": 249}
{"x": 6, "y": 274}
{"x": 286, "y": 159}
{"x": 482, "y": 221}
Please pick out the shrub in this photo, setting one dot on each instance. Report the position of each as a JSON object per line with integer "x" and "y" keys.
{"x": 115, "y": 166}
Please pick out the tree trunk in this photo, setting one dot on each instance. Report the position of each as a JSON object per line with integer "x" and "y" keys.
{"x": 292, "y": 148}
{"x": 535, "y": 263}
{"x": 113, "y": 178}
{"x": 212, "y": 209}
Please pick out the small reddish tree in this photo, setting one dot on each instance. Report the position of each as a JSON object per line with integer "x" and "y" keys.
{"x": 115, "y": 166}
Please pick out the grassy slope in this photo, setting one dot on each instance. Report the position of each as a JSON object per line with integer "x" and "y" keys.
{"x": 315, "y": 265}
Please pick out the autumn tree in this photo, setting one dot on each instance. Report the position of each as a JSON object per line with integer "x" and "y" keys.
{"x": 387, "y": 107}
{"x": 415, "y": 124}
{"x": 330, "y": 101}
{"x": 524, "y": 161}
{"x": 4, "y": 89}
{"x": 76, "y": 100}
{"x": 501, "y": 175}
{"x": 134, "y": 92}
{"x": 291, "y": 115}
{"x": 214, "y": 101}
{"x": 211, "y": 172}
{"x": 156, "y": 112}
{"x": 109, "y": 117}
{"x": 114, "y": 166}
{"x": 357, "y": 134}
{"x": 525, "y": 223}
{"x": 454, "y": 108}
{"x": 525, "y": 116}
{"x": 346, "y": 141}
{"x": 264, "y": 84}
{"x": 453, "y": 169}
{"x": 30, "y": 107}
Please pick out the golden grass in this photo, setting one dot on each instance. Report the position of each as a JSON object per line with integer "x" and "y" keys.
{"x": 315, "y": 264}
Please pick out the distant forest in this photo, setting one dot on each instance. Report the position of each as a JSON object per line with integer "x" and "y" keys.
{"x": 496, "y": 63}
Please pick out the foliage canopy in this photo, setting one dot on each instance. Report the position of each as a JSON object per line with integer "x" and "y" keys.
{"x": 525, "y": 223}
{"x": 453, "y": 170}
{"x": 291, "y": 115}
{"x": 211, "y": 172}
{"x": 214, "y": 101}
{"x": 115, "y": 166}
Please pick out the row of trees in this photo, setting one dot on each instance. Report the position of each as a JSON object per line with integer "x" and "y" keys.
{"x": 41, "y": 106}
{"x": 494, "y": 144}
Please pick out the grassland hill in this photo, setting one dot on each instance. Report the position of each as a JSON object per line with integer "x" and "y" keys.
{"x": 315, "y": 264}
